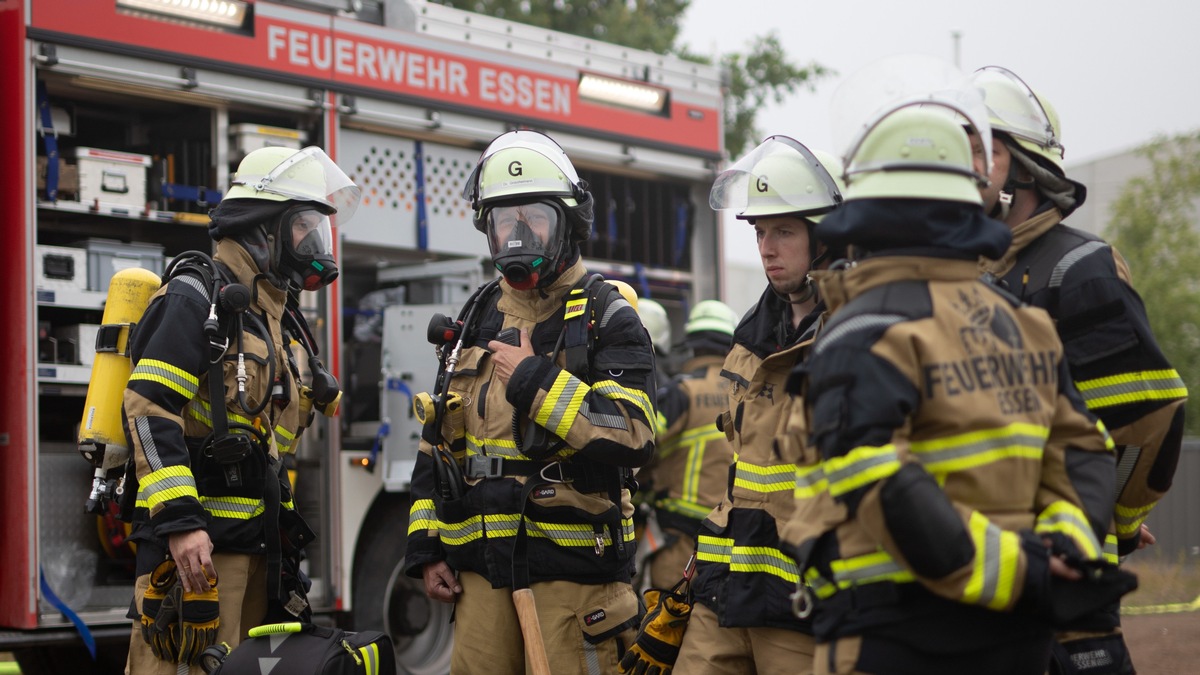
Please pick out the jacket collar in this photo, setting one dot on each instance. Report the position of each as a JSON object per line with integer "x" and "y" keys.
{"x": 539, "y": 304}
{"x": 840, "y": 286}
{"x": 237, "y": 260}
{"x": 1024, "y": 234}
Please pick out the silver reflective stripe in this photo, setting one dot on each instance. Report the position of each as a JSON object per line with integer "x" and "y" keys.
{"x": 612, "y": 309}
{"x": 1069, "y": 260}
{"x": 858, "y": 323}
{"x": 1129, "y": 460}
{"x": 991, "y": 565}
{"x": 149, "y": 449}
{"x": 563, "y": 403}
{"x": 602, "y": 419}
{"x": 196, "y": 284}
{"x": 166, "y": 483}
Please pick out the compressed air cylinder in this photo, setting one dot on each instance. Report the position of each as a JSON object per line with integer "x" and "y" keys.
{"x": 129, "y": 293}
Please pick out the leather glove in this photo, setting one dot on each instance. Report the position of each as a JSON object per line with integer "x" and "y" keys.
{"x": 656, "y": 646}
{"x": 178, "y": 625}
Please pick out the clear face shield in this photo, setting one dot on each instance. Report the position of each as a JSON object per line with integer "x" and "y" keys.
{"x": 310, "y": 230}
{"x": 525, "y": 140}
{"x": 779, "y": 177}
{"x": 1015, "y": 109}
{"x": 525, "y": 241}
{"x": 309, "y": 175}
{"x": 887, "y": 85}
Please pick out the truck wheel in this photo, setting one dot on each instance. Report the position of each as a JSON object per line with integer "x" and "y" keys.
{"x": 387, "y": 600}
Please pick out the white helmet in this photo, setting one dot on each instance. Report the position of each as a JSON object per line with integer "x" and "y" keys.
{"x": 1017, "y": 110}
{"x": 780, "y": 177}
{"x": 657, "y": 324}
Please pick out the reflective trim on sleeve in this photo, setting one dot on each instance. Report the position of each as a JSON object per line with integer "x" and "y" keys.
{"x": 993, "y": 579}
{"x": 867, "y": 569}
{"x": 1129, "y": 519}
{"x": 172, "y": 482}
{"x": 560, "y": 408}
{"x": 1111, "y": 552}
{"x": 764, "y": 479}
{"x": 284, "y": 440}
{"x": 810, "y": 481}
{"x": 1138, "y": 387}
{"x": 860, "y": 467}
{"x": 176, "y": 379}
{"x": 683, "y": 507}
{"x": 422, "y": 516}
{"x": 612, "y": 390}
{"x": 1067, "y": 519}
{"x": 714, "y": 549}
{"x": 980, "y": 448}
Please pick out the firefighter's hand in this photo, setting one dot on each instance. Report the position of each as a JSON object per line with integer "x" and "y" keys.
{"x": 192, "y": 553}
{"x": 1145, "y": 537}
{"x": 440, "y": 583}
{"x": 656, "y": 646}
{"x": 507, "y": 357}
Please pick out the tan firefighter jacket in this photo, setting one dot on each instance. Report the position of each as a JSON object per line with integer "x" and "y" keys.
{"x": 943, "y": 434}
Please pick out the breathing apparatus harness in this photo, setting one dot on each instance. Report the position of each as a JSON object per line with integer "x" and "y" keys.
{"x": 589, "y": 298}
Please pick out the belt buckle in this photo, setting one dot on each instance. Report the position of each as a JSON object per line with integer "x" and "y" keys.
{"x": 485, "y": 466}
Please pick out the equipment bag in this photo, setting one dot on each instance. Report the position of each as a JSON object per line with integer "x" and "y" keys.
{"x": 304, "y": 649}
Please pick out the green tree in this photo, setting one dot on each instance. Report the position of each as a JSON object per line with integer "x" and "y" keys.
{"x": 1155, "y": 226}
{"x": 764, "y": 73}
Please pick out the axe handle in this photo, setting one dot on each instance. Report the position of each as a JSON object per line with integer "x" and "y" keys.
{"x": 531, "y": 631}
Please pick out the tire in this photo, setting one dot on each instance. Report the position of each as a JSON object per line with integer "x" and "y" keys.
{"x": 387, "y": 600}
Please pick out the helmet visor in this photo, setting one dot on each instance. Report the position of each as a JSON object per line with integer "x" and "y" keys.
{"x": 311, "y": 234}
{"x": 523, "y": 139}
{"x": 528, "y": 229}
{"x": 309, "y": 175}
{"x": 896, "y": 82}
{"x": 1014, "y": 108}
{"x": 780, "y": 176}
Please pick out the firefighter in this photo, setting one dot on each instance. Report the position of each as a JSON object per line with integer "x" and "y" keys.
{"x": 213, "y": 402}
{"x": 953, "y": 489}
{"x": 536, "y": 495}
{"x": 742, "y": 621}
{"x": 693, "y": 456}
{"x": 1084, "y": 284}
{"x": 658, "y": 325}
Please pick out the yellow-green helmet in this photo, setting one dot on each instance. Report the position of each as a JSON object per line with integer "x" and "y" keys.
{"x": 711, "y": 315}
{"x": 780, "y": 177}
{"x": 917, "y": 151}
{"x": 1017, "y": 110}
{"x": 306, "y": 175}
{"x": 525, "y": 164}
{"x": 658, "y": 324}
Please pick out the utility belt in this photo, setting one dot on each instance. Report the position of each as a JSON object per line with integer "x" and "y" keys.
{"x": 582, "y": 477}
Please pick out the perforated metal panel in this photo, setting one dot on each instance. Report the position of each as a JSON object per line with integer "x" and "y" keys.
{"x": 386, "y": 169}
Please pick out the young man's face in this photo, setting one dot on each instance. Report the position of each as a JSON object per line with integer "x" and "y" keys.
{"x": 784, "y": 249}
{"x": 1001, "y": 158}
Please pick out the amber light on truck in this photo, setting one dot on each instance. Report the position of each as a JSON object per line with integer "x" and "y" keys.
{"x": 222, "y": 13}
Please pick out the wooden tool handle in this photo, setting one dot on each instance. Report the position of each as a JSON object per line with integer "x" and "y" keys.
{"x": 531, "y": 631}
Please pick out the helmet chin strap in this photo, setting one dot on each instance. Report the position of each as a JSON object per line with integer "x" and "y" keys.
{"x": 1012, "y": 183}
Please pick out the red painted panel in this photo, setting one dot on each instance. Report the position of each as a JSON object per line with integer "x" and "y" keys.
{"x": 16, "y": 416}
{"x": 339, "y": 51}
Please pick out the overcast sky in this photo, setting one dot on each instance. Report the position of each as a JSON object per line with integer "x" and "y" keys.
{"x": 1118, "y": 72}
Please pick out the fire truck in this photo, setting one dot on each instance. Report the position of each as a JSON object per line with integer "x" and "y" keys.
{"x": 123, "y": 121}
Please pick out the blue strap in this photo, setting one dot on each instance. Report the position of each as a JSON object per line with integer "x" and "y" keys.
{"x": 612, "y": 221}
{"x": 419, "y": 179}
{"x": 639, "y": 271}
{"x": 49, "y": 140}
{"x": 190, "y": 193}
{"x": 681, "y": 227}
{"x": 56, "y": 603}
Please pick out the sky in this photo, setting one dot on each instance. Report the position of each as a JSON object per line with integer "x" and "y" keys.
{"x": 1118, "y": 73}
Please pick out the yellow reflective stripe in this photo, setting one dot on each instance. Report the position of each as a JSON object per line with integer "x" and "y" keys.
{"x": 764, "y": 559}
{"x": 457, "y": 534}
{"x": 1110, "y": 551}
{"x": 370, "y": 656}
{"x": 714, "y": 549}
{"x": 422, "y": 516}
{"x": 868, "y": 568}
{"x": 202, "y": 410}
{"x": 993, "y": 575}
{"x": 810, "y": 481}
{"x": 689, "y": 437}
{"x": 575, "y": 308}
{"x": 170, "y": 482}
{"x": 660, "y": 428}
{"x": 683, "y": 507}
{"x": 161, "y": 372}
{"x": 980, "y": 448}
{"x": 766, "y": 479}
{"x": 500, "y": 447}
{"x": 820, "y": 587}
{"x": 1067, "y": 519}
{"x": 503, "y": 525}
{"x": 237, "y": 508}
{"x": 612, "y": 390}
{"x": 577, "y": 534}
{"x": 1129, "y": 519}
{"x": 284, "y": 439}
{"x": 859, "y": 467}
{"x": 560, "y": 408}
{"x": 1136, "y": 387}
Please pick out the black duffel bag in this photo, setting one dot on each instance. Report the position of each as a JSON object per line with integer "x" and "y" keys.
{"x": 303, "y": 649}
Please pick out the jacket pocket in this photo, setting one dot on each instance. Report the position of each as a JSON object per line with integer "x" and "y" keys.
{"x": 615, "y": 614}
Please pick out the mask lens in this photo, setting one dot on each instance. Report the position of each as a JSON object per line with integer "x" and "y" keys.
{"x": 310, "y": 232}
{"x": 529, "y": 228}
